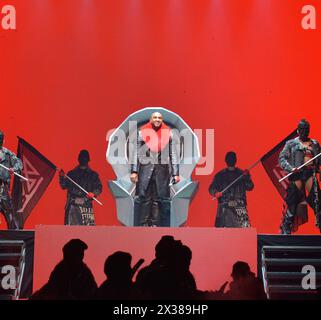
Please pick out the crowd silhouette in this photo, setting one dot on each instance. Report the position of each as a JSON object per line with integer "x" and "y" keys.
{"x": 167, "y": 277}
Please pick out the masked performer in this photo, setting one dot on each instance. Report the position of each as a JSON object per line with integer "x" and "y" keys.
{"x": 79, "y": 208}
{"x": 155, "y": 165}
{"x": 9, "y": 160}
{"x": 295, "y": 153}
{"x": 231, "y": 210}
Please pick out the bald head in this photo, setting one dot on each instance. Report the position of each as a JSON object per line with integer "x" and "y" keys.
{"x": 156, "y": 119}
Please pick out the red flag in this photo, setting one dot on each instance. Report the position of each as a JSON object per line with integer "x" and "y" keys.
{"x": 39, "y": 171}
{"x": 270, "y": 162}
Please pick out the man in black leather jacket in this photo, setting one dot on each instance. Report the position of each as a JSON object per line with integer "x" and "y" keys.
{"x": 9, "y": 160}
{"x": 232, "y": 204}
{"x": 295, "y": 153}
{"x": 155, "y": 165}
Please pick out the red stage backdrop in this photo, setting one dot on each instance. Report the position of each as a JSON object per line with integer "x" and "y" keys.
{"x": 74, "y": 69}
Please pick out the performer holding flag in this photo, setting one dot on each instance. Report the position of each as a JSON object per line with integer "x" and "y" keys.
{"x": 296, "y": 153}
{"x": 39, "y": 172}
{"x": 9, "y": 165}
{"x": 83, "y": 185}
{"x": 229, "y": 186}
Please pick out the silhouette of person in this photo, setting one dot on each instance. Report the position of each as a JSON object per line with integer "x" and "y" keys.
{"x": 187, "y": 283}
{"x": 146, "y": 280}
{"x": 71, "y": 279}
{"x": 168, "y": 275}
{"x": 245, "y": 286}
{"x": 119, "y": 273}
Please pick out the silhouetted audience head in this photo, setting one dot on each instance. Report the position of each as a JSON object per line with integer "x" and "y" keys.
{"x": 166, "y": 249}
{"x": 168, "y": 275}
{"x": 118, "y": 266}
{"x": 244, "y": 285}
{"x": 74, "y": 250}
{"x": 119, "y": 273}
{"x": 163, "y": 246}
{"x": 240, "y": 270}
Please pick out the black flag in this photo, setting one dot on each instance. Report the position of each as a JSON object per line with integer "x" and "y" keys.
{"x": 39, "y": 171}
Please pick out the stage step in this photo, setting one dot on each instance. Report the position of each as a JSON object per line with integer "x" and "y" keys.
{"x": 292, "y": 262}
{"x": 282, "y": 270}
{"x": 288, "y": 275}
{"x": 12, "y": 253}
{"x": 285, "y": 249}
{"x": 289, "y": 289}
{"x": 7, "y": 297}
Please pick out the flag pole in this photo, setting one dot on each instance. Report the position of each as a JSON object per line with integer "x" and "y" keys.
{"x": 15, "y": 173}
{"x": 80, "y": 187}
{"x": 300, "y": 167}
{"x": 239, "y": 178}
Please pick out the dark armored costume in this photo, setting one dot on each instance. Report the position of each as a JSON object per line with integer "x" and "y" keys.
{"x": 8, "y": 159}
{"x": 155, "y": 159}
{"x": 232, "y": 210}
{"x": 293, "y": 155}
{"x": 79, "y": 208}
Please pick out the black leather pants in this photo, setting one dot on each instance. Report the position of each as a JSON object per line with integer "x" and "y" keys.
{"x": 314, "y": 199}
{"x": 6, "y": 208}
{"x": 292, "y": 200}
{"x": 151, "y": 210}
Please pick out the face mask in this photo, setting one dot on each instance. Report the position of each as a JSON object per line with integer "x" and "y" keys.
{"x": 230, "y": 160}
{"x": 83, "y": 161}
{"x": 304, "y": 131}
{"x": 83, "y": 158}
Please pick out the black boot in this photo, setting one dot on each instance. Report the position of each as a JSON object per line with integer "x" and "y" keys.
{"x": 314, "y": 200}
{"x": 292, "y": 200}
{"x": 318, "y": 221}
{"x": 165, "y": 215}
{"x": 155, "y": 214}
{"x": 11, "y": 221}
{"x": 11, "y": 218}
{"x": 287, "y": 225}
{"x": 142, "y": 212}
